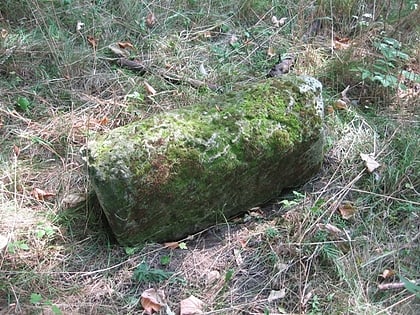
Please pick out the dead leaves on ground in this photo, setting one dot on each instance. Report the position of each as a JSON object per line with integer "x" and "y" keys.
{"x": 191, "y": 306}
{"x": 153, "y": 301}
{"x": 150, "y": 19}
{"x": 347, "y": 210}
{"x": 92, "y": 41}
{"x": 370, "y": 162}
{"x": 41, "y": 195}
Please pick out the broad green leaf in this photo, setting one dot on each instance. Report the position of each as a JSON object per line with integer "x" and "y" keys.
{"x": 35, "y": 298}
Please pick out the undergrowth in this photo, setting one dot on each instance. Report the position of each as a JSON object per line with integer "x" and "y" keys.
{"x": 337, "y": 245}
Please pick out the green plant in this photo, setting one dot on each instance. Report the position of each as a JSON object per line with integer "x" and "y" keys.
{"x": 288, "y": 203}
{"x": 37, "y": 299}
{"x": 315, "y": 306}
{"x": 12, "y": 247}
{"x": 23, "y": 104}
{"x": 386, "y": 69}
{"x": 144, "y": 273}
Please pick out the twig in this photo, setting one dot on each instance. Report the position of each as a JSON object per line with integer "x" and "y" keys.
{"x": 395, "y": 285}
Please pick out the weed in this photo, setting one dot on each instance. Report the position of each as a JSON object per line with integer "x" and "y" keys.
{"x": 144, "y": 274}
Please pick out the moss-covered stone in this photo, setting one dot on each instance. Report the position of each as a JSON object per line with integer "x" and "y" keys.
{"x": 177, "y": 172}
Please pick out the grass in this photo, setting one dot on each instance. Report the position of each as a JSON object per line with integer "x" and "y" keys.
{"x": 56, "y": 252}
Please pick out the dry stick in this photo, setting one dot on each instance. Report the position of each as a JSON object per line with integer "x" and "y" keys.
{"x": 395, "y": 285}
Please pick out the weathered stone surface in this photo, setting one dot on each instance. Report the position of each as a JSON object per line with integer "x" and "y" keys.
{"x": 178, "y": 172}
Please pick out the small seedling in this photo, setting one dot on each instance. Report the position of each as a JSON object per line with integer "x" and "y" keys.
{"x": 14, "y": 246}
{"x": 23, "y": 104}
{"x": 37, "y": 299}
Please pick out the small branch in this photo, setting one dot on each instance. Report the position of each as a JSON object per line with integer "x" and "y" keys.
{"x": 395, "y": 285}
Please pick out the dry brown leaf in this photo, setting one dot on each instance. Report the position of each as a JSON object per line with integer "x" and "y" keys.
{"x": 72, "y": 200}
{"x": 191, "y": 306}
{"x": 347, "y": 210}
{"x": 104, "y": 121}
{"x": 16, "y": 150}
{"x": 125, "y": 45}
{"x": 340, "y": 104}
{"x": 149, "y": 88}
{"x": 271, "y": 52}
{"x": 330, "y": 110}
{"x": 330, "y": 228}
{"x": 150, "y": 19}
{"x": 4, "y": 33}
{"x": 40, "y": 194}
{"x": 388, "y": 273}
{"x": 152, "y": 300}
{"x": 92, "y": 41}
{"x": 171, "y": 245}
{"x": 370, "y": 162}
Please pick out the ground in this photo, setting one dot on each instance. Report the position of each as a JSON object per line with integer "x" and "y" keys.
{"x": 347, "y": 242}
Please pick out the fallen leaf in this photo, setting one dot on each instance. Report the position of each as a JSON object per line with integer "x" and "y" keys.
{"x": 203, "y": 70}
{"x": 370, "y": 162}
{"x": 276, "y": 295}
{"x": 238, "y": 257}
{"x": 347, "y": 210}
{"x": 126, "y": 45}
{"x": 79, "y": 26}
{"x": 271, "y": 52}
{"x": 3, "y": 241}
{"x": 149, "y": 88}
{"x": 171, "y": 245}
{"x": 92, "y": 41}
{"x": 388, "y": 273}
{"x": 16, "y": 150}
{"x": 342, "y": 39}
{"x": 330, "y": 228}
{"x": 152, "y": 300}
{"x": 4, "y": 33}
{"x": 213, "y": 276}
{"x": 275, "y": 21}
{"x": 191, "y": 306}
{"x": 120, "y": 52}
{"x": 282, "y": 20}
{"x": 340, "y": 104}
{"x": 150, "y": 19}
{"x": 330, "y": 110}
{"x": 207, "y": 34}
{"x": 40, "y": 194}
{"x": 104, "y": 121}
{"x": 72, "y": 200}
{"x": 233, "y": 40}
{"x": 183, "y": 245}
